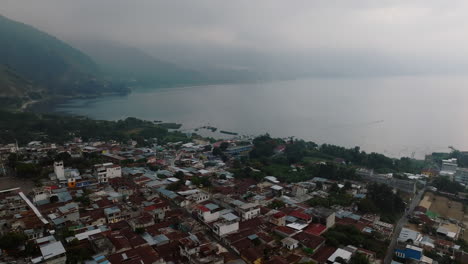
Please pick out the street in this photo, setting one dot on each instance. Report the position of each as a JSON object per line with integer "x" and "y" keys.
{"x": 400, "y": 224}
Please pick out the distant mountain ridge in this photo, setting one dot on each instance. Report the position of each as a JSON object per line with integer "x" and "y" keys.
{"x": 42, "y": 58}
{"x": 123, "y": 63}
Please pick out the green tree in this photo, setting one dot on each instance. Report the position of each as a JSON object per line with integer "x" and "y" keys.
{"x": 12, "y": 240}
{"x": 359, "y": 258}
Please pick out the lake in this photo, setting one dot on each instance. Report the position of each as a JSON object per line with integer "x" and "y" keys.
{"x": 400, "y": 116}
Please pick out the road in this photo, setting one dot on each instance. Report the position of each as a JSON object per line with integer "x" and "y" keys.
{"x": 400, "y": 224}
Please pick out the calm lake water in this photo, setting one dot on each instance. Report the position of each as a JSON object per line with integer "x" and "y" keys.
{"x": 394, "y": 116}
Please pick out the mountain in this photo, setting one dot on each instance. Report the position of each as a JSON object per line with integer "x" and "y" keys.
{"x": 124, "y": 63}
{"x": 30, "y": 58}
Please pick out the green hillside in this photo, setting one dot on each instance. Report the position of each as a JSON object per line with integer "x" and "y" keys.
{"x": 46, "y": 62}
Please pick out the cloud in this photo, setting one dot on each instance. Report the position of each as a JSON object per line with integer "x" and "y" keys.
{"x": 402, "y": 33}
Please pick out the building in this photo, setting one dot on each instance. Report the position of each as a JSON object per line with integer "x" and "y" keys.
{"x": 461, "y": 176}
{"x": 113, "y": 214}
{"x": 248, "y": 211}
{"x": 107, "y": 171}
{"x": 409, "y": 236}
{"x": 208, "y": 212}
{"x": 449, "y": 168}
{"x": 298, "y": 190}
{"x": 323, "y": 216}
{"x": 278, "y": 219}
{"x": 228, "y": 224}
{"x": 409, "y": 253}
{"x": 339, "y": 253}
{"x": 290, "y": 243}
{"x": 52, "y": 251}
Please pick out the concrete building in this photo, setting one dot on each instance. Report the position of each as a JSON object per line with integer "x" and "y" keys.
{"x": 290, "y": 243}
{"x": 323, "y": 216}
{"x": 59, "y": 171}
{"x": 461, "y": 176}
{"x": 113, "y": 214}
{"x": 449, "y": 168}
{"x": 248, "y": 211}
{"x": 107, "y": 171}
{"x": 209, "y": 212}
{"x": 52, "y": 251}
{"x": 298, "y": 190}
{"x": 229, "y": 224}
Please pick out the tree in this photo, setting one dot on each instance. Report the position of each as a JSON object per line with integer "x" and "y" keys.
{"x": 276, "y": 204}
{"x": 295, "y": 151}
{"x": 179, "y": 175}
{"x": 54, "y": 199}
{"x": 217, "y": 151}
{"x": 347, "y": 185}
{"x": 12, "y": 240}
{"x": 223, "y": 146}
{"x": 359, "y": 258}
{"x": 264, "y": 146}
{"x": 334, "y": 188}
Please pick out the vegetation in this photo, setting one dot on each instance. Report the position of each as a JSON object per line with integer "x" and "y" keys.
{"x": 444, "y": 184}
{"x": 342, "y": 235}
{"x": 359, "y": 258}
{"x": 76, "y": 253}
{"x": 381, "y": 199}
{"x": 275, "y": 156}
{"x": 37, "y": 64}
{"x": 276, "y": 204}
{"x": 12, "y": 240}
{"x": 26, "y": 127}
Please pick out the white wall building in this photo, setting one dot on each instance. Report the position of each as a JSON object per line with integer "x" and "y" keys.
{"x": 248, "y": 211}
{"x": 229, "y": 224}
{"x": 107, "y": 171}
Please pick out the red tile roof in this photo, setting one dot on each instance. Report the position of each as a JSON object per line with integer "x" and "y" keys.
{"x": 315, "y": 229}
{"x": 322, "y": 255}
{"x": 310, "y": 241}
{"x": 279, "y": 215}
{"x": 300, "y": 215}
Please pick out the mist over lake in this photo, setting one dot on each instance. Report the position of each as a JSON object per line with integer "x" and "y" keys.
{"x": 395, "y": 116}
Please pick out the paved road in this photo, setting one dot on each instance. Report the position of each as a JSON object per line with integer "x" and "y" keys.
{"x": 400, "y": 224}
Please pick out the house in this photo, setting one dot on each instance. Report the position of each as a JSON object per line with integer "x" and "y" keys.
{"x": 107, "y": 171}
{"x": 278, "y": 219}
{"x": 208, "y": 212}
{"x": 323, "y": 216}
{"x": 409, "y": 236}
{"x": 409, "y": 253}
{"x": 309, "y": 241}
{"x": 113, "y": 214}
{"x": 301, "y": 217}
{"x": 290, "y": 243}
{"x": 52, "y": 251}
{"x": 229, "y": 224}
{"x": 340, "y": 253}
{"x": 69, "y": 212}
{"x": 248, "y": 211}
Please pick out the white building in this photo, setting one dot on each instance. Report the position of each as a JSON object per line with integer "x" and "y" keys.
{"x": 344, "y": 254}
{"x": 248, "y": 211}
{"x": 52, "y": 251}
{"x": 229, "y": 224}
{"x": 59, "y": 171}
{"x": 461, "y": 176}
{"x": 449, "y": 168}
{"x": 209, "y": 212}
{"x": 107, "y": 171}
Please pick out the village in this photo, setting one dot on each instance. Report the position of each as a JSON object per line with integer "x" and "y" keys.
{"x": 182, "y": 203}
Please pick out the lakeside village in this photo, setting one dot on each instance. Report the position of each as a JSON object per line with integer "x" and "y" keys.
{"x": 198, "y": 202}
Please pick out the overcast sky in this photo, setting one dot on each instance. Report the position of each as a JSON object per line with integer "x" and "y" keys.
{"x": 425, "y": 35}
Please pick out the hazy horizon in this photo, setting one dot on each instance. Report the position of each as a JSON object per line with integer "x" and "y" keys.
{"x": 300, "y": 38}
